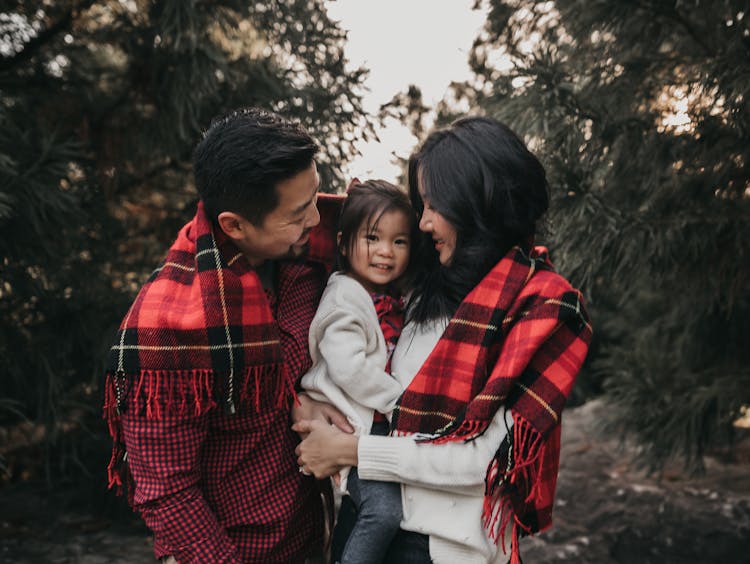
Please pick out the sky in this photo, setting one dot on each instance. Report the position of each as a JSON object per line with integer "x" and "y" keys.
{"x": 402, "y": 42}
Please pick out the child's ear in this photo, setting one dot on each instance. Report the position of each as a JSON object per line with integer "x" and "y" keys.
{"x": 338, "y": 244}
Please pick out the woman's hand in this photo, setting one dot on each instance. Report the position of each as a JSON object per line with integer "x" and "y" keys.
{"x": 326, "y": 450}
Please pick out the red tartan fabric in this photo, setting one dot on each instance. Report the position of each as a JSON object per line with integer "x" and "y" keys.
{"x": 199, "y": 390}
{"x": 518, "y": 340}
{"x": 390, "y": 312}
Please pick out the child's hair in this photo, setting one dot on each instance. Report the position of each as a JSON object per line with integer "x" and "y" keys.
{"x": 365, "y": 204}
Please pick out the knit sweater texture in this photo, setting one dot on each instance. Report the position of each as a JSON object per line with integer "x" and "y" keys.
{"x": 349, "y": 355}
{"x": 442, "y": 484}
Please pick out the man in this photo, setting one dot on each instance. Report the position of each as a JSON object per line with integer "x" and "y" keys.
{"x": 202, "y": 374}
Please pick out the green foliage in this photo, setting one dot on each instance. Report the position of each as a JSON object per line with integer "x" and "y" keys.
{"x": 101, "y": 103}
{"x": 408, "y": 108}
{"x": 639, "y": 110}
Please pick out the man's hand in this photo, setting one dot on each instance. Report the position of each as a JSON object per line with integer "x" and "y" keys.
{"x": 310, "y": 410}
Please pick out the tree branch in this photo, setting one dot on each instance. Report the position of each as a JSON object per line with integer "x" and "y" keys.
{"x": 168, "y": 164}
{"x": 31, "y": 48}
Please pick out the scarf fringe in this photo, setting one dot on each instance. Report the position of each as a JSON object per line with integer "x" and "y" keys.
{"x": 183, "y": 393}
{"x": 513, "y": 479}
{"x": 464, "y": 430}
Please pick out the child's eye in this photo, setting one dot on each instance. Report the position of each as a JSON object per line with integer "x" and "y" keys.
{"x": 370, "y": 237}
{"x": 403, "y": 242}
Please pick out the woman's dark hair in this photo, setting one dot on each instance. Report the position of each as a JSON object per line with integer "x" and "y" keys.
{"x": 482, "y": 179}
{"x": 243, "y": 156}
{"x": 365, "y": 204}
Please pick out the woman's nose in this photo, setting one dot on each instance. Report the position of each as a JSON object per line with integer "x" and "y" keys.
{"x": 425, "y": 222}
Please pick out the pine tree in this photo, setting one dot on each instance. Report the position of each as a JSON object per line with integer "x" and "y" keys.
{"x": 101, "y": 103}
{"x": 639, "y": 111}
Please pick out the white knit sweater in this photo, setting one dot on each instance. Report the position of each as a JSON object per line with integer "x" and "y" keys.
{"x": 349, "y": 355}
{"x": 442, "y": 485}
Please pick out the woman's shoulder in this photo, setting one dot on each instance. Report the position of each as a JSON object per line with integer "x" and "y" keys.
{"x": 548, "y": 283}
{"x": 549, "y": 295}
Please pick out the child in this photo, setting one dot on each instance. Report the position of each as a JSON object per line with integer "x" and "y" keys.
{"x": 352, "y": 336}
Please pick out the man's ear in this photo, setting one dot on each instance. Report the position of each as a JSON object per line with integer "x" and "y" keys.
{"x": 233, "y": 224}
{"x": 338, "y": 244}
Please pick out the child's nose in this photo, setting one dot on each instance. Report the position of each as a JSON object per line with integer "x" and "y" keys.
{"x": 385, "y": 249}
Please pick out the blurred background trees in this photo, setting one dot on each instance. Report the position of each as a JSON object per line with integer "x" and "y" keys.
{"x": 101, "y": 103}
{"x": 638, "y": 110}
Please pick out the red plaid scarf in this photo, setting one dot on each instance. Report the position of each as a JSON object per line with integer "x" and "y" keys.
{"x": 390, "y": 312}
{"x": 516, "y": 341}
{"x": 200, "y": 331}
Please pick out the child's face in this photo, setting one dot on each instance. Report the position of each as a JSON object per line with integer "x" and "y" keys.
{"x": 379, "y": 256}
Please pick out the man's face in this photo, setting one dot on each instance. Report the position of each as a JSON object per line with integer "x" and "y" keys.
{"x": 285, "y": 231}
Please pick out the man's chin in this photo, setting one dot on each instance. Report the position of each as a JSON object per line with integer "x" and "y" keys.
{"x": 296, "y": 251}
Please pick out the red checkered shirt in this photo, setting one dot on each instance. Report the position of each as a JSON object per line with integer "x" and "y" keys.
{"x": 227, "y": 488}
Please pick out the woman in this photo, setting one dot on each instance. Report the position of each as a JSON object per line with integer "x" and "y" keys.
{"x": 493, "y": 343}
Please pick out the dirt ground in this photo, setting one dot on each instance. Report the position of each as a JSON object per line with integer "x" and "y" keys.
{"x": 607, "y": 512}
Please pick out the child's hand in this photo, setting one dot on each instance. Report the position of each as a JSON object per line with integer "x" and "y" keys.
{"x": 307, "y": 409}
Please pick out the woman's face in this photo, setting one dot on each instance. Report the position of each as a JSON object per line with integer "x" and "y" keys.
{"x": 442, "y": 232}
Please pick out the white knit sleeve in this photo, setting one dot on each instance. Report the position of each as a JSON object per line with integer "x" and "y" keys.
{"x": 458, "y": 467}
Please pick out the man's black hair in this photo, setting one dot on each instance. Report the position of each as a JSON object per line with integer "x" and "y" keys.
{"x": 243, "y": 156}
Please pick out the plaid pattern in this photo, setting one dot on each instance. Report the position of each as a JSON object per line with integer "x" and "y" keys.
{"x": 390, "y": 312}
{"x": 200, "y": 382}
{"x": 518, "y": 341}
{"x": 216, "y": 488}
{"x": 202, "y": 315}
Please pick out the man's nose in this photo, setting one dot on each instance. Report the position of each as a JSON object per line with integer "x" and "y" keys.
{"x": 313, "y": 217}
